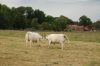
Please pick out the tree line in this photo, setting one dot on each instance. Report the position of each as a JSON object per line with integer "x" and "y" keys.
{"x": 27, "y": 17}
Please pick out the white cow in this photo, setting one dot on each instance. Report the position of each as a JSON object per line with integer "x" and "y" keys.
{"x": 60, "y": 38}
{"x": 32, "y": 37}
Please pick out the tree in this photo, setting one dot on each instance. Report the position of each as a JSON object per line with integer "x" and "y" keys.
{"x": 18, "y": 18}
{"x": 85, "y": 21}
{"x": 22, "y": 15}
{"x": 34, "y": 23}
{"x": 49, "y": 19}
{"x": 19, "y": 22}
{"x": 60, "y": 23}
{"x": 46, "y": 26}
{"x": 40, "y": 15}
{"x": 2, "y": 21}
{"x": 97, "y": 25}
{"x": 5, "y": 18}
{"x": 29, "y": 12}
{"x": 29, "y": 15}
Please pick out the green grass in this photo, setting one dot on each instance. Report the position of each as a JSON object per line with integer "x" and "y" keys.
{"x": 83, "y": 50}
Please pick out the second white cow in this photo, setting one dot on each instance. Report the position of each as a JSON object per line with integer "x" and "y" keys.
{"x": 60, "y": 38}
{"x": 32, "y": 37}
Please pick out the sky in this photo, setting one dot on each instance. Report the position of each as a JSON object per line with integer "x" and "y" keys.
{"x": 72, "y": 9}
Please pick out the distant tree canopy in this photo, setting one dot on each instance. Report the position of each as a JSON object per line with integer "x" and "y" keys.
{"x": 20, "y": 17}
{"x": 49, "y": 19}
{"x": 26, "y": 17}
{"x": 97, "y": 25}
{"x": 40, "y": 15}
{"x": 5, "y": 17}
{"x": 85, "y": 21}
{"x": 60, "y": 23}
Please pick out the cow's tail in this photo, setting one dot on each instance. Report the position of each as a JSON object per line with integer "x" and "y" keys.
{"x": 67, "y": 38}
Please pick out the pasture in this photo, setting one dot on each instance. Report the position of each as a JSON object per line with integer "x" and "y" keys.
{"x": 83, "y": 50}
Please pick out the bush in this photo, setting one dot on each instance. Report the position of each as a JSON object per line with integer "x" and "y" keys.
{"x": 69, "y": 30}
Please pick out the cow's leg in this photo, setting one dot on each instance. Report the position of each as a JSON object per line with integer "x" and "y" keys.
{"x": 62, "y": 45}
{"x": 33, "y": 41}
{"x": 30, "y": 43}
{"x": 38, "y": 42}
{"x": 49, "y": 44}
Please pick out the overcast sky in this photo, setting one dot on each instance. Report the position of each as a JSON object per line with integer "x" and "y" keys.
{"x": 72, "y": 9}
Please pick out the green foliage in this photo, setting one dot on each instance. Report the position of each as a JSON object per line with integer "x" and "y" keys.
{"x": 19, "y": 19}
{"x": 2, "y": 21}
{"x": 19, "y": 22}
{"x": 85, "y": 21}
{"x": 69, "y": 30}
{"x": 49, "y": 19}
{"x": 46, "y": 26}
{"x": 40, "y": 15}
{"x": 60, "y": 23}
{"x": 29, "y": 13}
{"x": 5, "y": 17}
{"x": 97, "y": 25}
{"x": 26, "y": 17}
{"x": 34, "y": 23}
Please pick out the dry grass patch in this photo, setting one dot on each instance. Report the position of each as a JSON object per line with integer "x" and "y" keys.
{"x": 13, "y": 52}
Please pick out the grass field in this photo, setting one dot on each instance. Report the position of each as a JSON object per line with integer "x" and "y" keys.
{"x": 83, "y": 50}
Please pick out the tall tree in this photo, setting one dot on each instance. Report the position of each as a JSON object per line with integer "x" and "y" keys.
{"x": 34, "y": 23}
{"x": 40, "y": 15}
{"x": 49, "y": 19}
{"x": 19, "y": 19}
{"x": 46, "y": 26}
{"x": 29, "y": 15}
{"x": 60, "y": 23}
{"x": 5, "y": 18}
{"x": 85, "y": 21}
{"x": 97, "y": 25}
